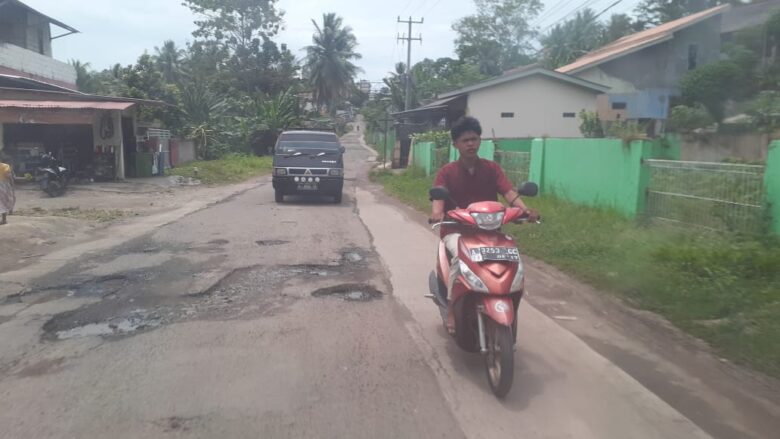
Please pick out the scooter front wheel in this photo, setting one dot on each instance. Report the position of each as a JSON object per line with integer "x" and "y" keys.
{"x": 500, "y": 358}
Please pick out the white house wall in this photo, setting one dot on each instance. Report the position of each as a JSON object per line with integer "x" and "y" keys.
{"x": 538, "y": 103}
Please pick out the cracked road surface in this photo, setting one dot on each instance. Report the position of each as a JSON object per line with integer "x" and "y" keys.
{"x": 251, "y": 319}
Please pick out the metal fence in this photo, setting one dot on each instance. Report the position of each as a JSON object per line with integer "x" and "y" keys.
{"x": 720, "y": 196}
{"x": 516, "y": 165}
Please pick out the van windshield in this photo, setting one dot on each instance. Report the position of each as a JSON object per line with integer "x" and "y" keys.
{"x": 290, "y": 147}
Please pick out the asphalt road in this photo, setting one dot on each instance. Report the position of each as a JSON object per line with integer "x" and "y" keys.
{"x": 252, "y": 319}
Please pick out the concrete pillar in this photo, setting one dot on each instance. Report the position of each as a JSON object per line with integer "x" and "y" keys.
{"x": 772, "y": 184}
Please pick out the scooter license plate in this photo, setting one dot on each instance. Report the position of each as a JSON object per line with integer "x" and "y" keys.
{"x": 495, "y": 254}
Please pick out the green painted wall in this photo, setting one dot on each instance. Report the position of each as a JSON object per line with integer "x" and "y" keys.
{"x": 487, "y": 150}
{"x": 516, "y": 145}
{"x": 772, "y": 182}
{"x": 422, "y": 156}
{"x": 595, "y": 172}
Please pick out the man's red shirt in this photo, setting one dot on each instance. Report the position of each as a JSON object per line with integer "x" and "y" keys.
{"x": 465, "y": 188}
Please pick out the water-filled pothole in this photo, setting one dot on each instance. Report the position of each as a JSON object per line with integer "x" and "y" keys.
{"x": 139, "y": 320}
{"x": 350, "y": 292}
{"x": 271, "y": 242}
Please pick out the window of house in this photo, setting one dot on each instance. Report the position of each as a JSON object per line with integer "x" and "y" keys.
{"x": 569, "y": 115}
{"x": 693, "y": 56}
{"x": 507, "y": 115}
{"x": 619, "y": 105}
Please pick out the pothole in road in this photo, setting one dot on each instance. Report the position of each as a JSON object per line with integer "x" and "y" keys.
{"x": 352, "y": 256}
{"x": 137, "y": 321}
{"x": 350, "y": 292}
{"x": 103, "y": 286}
{"x": 271, "y": 242}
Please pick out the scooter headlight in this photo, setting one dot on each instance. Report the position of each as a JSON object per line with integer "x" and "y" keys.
{"x": 474, "y": 282}
{"x": 518, "y": 283}
{"x": 488, "y": 221}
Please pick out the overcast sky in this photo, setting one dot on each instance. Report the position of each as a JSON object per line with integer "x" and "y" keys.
{"x": 120, "y": 30}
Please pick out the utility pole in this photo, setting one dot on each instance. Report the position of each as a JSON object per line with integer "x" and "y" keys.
{"x": 408, "y": 38}
{"x": 384, "y": 150}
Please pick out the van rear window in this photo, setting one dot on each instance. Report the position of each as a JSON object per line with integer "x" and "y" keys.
{"x": 308, "y": 137}
{"x": 287, "y": 146}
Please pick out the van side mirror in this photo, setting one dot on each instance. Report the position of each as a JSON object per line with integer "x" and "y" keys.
{"x": 528, "y": 189}
{"x": 343, "y": 150}
{"x": 439, "y": 193}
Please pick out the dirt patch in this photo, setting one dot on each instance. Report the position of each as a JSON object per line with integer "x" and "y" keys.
{"x": 350, "y": 292}
{"x": 219, "y": 242}
{"x": 99, "y": 215}
{"x": 42, "y": 367}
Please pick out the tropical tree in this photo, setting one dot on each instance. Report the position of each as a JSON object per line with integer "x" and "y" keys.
{"x": 202, "y": 111}
{"x": 572, "y": 39}
{"x": 169, "y": 59}
{"x": 85, "y": 80}
{"x": 498, "y": 36}
{"x": 275, "y": 115}
{"x": 329, "y": 61}
{"x": 655, "y": 12}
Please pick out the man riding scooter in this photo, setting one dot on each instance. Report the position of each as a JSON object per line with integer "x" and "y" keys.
{"x": 470, "y": 179}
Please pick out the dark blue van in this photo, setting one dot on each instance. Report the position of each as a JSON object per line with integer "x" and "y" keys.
{"x": 308, "y": 162}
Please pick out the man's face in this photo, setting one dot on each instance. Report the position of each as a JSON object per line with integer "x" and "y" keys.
{"x": 468, "y": 144}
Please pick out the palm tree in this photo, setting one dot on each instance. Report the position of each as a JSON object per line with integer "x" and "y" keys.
{"x": 572, "y": 39}
{"x": 329, "y": 61}
{"x": 84, "y": 79}
{"x": 169, "y": 59}
{"x": 275, "y": 115}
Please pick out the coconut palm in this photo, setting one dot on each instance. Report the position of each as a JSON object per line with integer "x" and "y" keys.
{"x": 85, "y": 81}
{"x": 169, "y": 59}
{"x": 329, "y": 61}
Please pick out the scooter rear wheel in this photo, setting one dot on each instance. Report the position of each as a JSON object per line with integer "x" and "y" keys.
{"x": 500, "y": 358}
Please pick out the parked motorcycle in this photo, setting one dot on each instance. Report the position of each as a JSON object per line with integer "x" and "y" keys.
{"x": 489, "y": 286}
{"x": 52, "y": 176}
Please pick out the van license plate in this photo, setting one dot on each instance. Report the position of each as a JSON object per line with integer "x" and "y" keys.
{"x": 307, "y": 187}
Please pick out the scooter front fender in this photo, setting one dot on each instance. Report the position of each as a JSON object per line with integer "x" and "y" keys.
{"x": 499, "y": 309}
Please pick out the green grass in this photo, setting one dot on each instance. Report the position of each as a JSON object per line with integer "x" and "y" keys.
{"x": 722, "y": 288}
{"x": 232, "y": 168}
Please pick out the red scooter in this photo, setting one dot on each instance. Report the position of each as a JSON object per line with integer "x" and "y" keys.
{"x": 486, "y": 293}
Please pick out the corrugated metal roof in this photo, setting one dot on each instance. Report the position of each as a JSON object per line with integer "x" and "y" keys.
{"x": 639, "y": 40}
{"x": 65, "y": 105}
{"x": 521, "y": 73}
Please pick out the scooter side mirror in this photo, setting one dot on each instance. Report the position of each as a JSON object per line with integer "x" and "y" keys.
{"x": 528, "y": 189}
{"x": 439, "y": 193}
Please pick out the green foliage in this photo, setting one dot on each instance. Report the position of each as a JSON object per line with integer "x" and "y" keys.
{"x": 239, "y": 25}
{"x": 628, "y": 130}
{"x": 590, "y": 124}
{"x": 231, "y": 168}
{"x": 574, "y": 38}
{"x": 329, "y": 61}
{"x": 655, "y": 12}
{"x": 720, "y": 287}
{"x": 684, "y": 119}
{"x": 765, "y": 111}
{"x": 441, "y": 139}
{"x": 498, "y": 36}
{"x": 431, "y": 77}
{"x": 713, "y": 84}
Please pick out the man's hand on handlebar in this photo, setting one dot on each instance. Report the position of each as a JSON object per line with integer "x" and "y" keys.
{"x": 532, "y": 215}
{"x": 436, "y": 217}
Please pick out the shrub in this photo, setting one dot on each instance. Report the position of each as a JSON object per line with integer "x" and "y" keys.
{"x": 684, "y": 119}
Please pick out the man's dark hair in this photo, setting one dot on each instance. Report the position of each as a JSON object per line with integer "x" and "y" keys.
{"x": 463, "y": 125}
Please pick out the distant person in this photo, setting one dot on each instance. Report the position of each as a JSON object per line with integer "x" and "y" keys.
{"x": 7, "y": 195}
